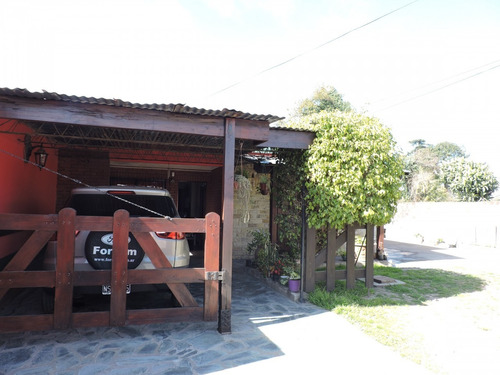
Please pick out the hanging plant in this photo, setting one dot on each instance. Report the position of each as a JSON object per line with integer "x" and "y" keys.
{"x": 243, "y": 192}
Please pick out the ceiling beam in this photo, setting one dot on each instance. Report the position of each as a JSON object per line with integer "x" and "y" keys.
{"x": 84, "y": 114}
{"x": 288, "y": 138}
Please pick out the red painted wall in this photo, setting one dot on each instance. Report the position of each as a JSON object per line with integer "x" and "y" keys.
{"x": 23, "y": 187}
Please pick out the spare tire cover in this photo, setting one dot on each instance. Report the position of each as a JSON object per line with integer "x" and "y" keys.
{"x": 99, "y": 246}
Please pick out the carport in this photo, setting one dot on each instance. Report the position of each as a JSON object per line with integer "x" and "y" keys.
{"x": 104, "y": 133}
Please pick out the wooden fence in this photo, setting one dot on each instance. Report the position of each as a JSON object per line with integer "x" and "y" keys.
{"x": 65, "y": 278}
{"x": 314, "y": 260}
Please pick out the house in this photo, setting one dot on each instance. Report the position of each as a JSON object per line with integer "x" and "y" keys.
{"x": 93, "y": 141}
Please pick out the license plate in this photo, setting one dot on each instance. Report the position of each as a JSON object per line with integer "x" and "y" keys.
{"x": 106, "y": 289}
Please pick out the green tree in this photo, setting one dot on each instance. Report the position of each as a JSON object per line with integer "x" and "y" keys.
{"x": 468, "y": 181}
{"x": 323, "y": 99}
{"x": 447, "y": 151}
{"x": 353, "y": 171}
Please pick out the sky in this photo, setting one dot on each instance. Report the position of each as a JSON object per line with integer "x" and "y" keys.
{"x": 429, "y": 70}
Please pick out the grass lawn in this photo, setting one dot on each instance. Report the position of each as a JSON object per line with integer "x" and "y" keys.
{"x": 427, "y": 318}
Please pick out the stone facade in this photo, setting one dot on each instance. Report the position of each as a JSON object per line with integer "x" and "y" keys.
{"x": 249, "y": 215}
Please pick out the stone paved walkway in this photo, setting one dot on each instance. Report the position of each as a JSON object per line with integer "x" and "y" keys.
{"x": 271, "y": 334}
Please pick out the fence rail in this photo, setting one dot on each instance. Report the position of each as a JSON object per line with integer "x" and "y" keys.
{"x": 64, "y": 278}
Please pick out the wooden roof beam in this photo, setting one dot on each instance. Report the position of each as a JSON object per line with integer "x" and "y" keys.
{"x": 30, "y": 109}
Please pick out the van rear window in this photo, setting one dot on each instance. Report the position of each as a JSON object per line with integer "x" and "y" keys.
{"x": 106, "y": 205}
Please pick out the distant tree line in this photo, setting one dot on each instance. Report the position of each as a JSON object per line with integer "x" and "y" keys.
{"x": 444, "y": 172}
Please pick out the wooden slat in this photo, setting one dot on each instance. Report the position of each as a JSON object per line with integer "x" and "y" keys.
{"x": 212, "y": 240}
{"x": 165, "y": 225}
{"x": 162, "y": 276}
{"x": 27, "y": 279}
{"x": 24, "y": 323}
{"x": 26, "y": 254}
{"x": 309, "y": 277}
{"x": 350, "y": 266}
{"x": 28, "y": 222}
{"x": 159, "y": 260}
{"x": 320, "y": 258}
{"x": 340, "y": 274}
{"x": 63, "y": 301}
{"x": 341, "y": 239}
{"x": 330, "y": 259}
{"x": 94, "y": 223}
{"x": 370, "y": 233}
{"x": 119, "y": 259}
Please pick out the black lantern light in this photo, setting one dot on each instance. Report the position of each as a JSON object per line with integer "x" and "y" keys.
{"x": 41, "y": 157}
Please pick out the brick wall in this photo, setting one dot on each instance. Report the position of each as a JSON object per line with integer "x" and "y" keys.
{"x": 90, "y": 167}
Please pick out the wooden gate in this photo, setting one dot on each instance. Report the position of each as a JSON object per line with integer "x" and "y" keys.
{"x": 65, "y": 278}
{"x": 336, "y": 239}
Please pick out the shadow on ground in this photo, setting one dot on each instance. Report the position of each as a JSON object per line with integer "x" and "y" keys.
{"x": 169, "y": 348}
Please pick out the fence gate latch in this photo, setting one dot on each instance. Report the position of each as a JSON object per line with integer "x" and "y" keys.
{"x": 214, "y": 275}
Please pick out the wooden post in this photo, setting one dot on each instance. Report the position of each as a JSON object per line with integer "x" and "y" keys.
{"x": 119, "y": 256}
{"x": 370, "y": 232}
{"x": 227, "y": 226}
{"x": 331, "y": 252}
{"x": 63, "y": 302}
{"x": 309, "y": 277}
{"x": 350, "y": 250}
{"x": 380, "y": 243}
{"x": 212, "y": 243}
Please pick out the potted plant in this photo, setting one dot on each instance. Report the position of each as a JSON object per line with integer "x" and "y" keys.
{"x": 263, "y": 184}
{"x": 265, "y": 252}
{"x": 293, "y": 279}
{"x": 277, "y": 270}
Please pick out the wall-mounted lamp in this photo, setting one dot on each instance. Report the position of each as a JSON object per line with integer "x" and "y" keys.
{"x": 40, "y": 155}
{"x": 171, "y": 176}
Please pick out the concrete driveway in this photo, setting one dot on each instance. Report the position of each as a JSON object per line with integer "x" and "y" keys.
{"x": 271, "y": 334}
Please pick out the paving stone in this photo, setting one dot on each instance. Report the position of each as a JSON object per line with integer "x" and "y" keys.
{"x": 175, "y": 348}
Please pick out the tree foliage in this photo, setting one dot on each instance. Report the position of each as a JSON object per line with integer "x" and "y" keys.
{"x": 443, "y": 173}
{"x": 467, "y": 180}
{"x": 351, "y": 172}
{"x": 354, "y": 173}
{"x": 323, "y": 99}
{"x": 289, "y": 179}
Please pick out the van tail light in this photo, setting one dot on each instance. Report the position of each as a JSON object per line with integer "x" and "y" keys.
{"x": 77, "y": 232}
{"x": 171, "y": 235}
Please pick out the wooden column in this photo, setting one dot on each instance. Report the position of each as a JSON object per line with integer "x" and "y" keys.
{"x": 370, "y": 233}
{"x": 118, "y": 304}
{"x": 331, "y": 252}
{"x": 350, "y": 250}
{"x": 309, "y": 277}
{"x": 227, "y": 226}
{"x": 212, "y": 243}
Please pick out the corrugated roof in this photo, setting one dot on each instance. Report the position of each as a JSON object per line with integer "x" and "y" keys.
{"x": 173, "y": 108}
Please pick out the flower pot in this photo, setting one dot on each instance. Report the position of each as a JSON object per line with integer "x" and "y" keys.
{"x": 294, "y": 285}
{"x": 264, "y": 189}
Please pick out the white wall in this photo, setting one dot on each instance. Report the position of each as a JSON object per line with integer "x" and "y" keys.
{"x": 455, "y": 223}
